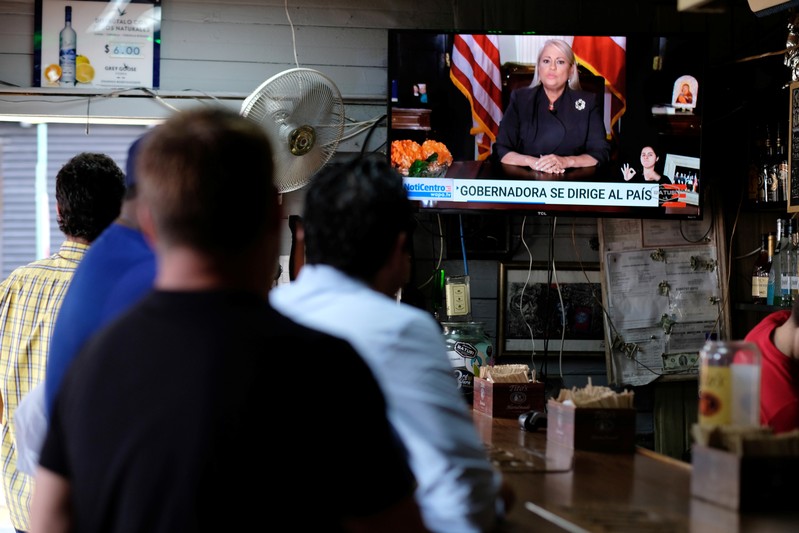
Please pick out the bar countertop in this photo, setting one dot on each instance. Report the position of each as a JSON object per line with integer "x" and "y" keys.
{"x": 560, "y": 489}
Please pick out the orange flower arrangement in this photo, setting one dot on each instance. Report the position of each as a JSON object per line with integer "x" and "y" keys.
{"x": 413, "y": 159}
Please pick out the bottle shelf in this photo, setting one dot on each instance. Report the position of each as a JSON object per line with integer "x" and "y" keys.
{"x": 759, "y": 308}
{"x": 765, "y": 207}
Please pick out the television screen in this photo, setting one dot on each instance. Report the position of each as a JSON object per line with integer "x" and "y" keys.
{"x": 473, "y": 128}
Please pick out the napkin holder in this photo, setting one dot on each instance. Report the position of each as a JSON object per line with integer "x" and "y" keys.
{"x": 507, "y": 400}
{"x": 744, "y": 483}
{"x": 609, "y": 430}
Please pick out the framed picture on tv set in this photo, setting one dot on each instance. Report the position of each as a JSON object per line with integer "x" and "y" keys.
{"x": 460, "y": 102}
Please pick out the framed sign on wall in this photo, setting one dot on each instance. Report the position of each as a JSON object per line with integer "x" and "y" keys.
{"x": 97, "y": 44}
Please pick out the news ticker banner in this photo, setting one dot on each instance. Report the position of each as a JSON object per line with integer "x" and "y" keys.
{"x": 533, "y": 192}
{"x": 550, "y": 192}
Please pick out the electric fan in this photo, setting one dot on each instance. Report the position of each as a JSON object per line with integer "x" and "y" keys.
{"x": 303, "y": 113}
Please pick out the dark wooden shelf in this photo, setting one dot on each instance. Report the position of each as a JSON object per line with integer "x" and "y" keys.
{"x": 765, "y": 207}
{"x": 759, "y": 308}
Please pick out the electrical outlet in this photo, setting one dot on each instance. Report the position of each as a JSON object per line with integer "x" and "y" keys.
{"x": 457, "y": 299}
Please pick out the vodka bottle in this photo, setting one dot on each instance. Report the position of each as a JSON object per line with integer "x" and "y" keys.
{"x": 785, "y": 259}
{"x": 67, "y": 50}
{"x": 761, "y": 270}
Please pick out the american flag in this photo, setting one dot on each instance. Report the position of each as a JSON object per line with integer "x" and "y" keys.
{"x": 605, "y": 56}
{"x": 476, "y": 72}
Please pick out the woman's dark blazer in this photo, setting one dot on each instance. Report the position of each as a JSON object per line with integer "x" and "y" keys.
{"x": 573, "y": 127}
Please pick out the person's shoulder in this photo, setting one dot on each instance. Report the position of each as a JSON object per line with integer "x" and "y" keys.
{"x": 415, "y": 317}
{"x": 527, "y": 89}
{"x": 25, "y": 274}
{"x": 308, "y": 339}
{"x": 525, "y": 93}
{"x": 289, "y": 328}
{"x": 768, "y": 323}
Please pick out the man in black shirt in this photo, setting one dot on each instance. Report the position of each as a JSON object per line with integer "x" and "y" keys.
{"x": 202, "y": 408}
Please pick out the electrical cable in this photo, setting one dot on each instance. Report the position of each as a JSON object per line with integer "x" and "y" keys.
{"x": 522, "y": 316}
{"x": 440, "y": 253}
{"x": 293, "y": 36}
{"x": 563, "y": 322}
{"x": 372, "y": 128}
{"x": 548, "y": 310}
{"x": 463, "y": 247}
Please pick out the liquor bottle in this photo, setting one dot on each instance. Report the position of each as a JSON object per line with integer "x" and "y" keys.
{"x": 774, "y": 287}
{"x": 785, "y": 258}
{"x": 761, "y": 269}
{"x": 729, "y": 383}
{"x": 780, "y": 168}
{"x": 772, "y": 171}
{"x": 764, "y": 180}
{"x": 67, "y": 50}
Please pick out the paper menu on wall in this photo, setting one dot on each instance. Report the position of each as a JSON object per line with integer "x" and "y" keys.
{"x": 621, "y": 234}
{"x": 660, "y": 303}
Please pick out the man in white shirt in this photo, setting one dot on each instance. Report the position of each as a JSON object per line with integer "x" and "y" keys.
{"x": 357, "y": 225}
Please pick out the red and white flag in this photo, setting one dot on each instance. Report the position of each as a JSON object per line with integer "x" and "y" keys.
{"x": 605, "y": 56}
{"x": 475, "y": 71}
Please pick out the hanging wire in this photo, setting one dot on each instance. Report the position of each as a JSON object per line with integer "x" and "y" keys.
{"x": 293, "y": 36}
{"x": 440, "y": 253}
{"x": 372, "y": 126}
{"x": 521, "y": 294}
{"x": 463, "y": 247}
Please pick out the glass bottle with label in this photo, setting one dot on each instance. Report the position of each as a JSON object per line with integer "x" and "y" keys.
{"x": 786, "y": 262}
{"x": 764, "y": 195}
{"x": 468, "y": 348}
{"x": 780, "y": 168}
{"x": 67, "y": 50}
{"x": 774, "y": 287}
{"x": 761, "y": 270}
{"x": 729, "y": 383}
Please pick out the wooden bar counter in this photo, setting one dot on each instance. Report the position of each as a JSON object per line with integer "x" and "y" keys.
{"x": 560, "y": 489}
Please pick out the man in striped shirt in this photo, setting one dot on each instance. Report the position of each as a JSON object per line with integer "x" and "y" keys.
{"x": 89, "y": 190}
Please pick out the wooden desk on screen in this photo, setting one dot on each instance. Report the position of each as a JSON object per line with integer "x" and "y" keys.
{"x": 558, "y": 489}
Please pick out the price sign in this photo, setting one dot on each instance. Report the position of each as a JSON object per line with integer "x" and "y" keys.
{"x": 106, "y": 43}
{"x": 124, "y": 50}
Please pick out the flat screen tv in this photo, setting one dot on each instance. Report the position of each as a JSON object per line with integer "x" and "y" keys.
{"x": 448, "y": 91}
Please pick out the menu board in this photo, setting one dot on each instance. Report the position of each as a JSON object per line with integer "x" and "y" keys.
{"x": 82, "y": 44}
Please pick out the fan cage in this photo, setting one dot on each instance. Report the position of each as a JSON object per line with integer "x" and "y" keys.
{"x": 302, "y": 112}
